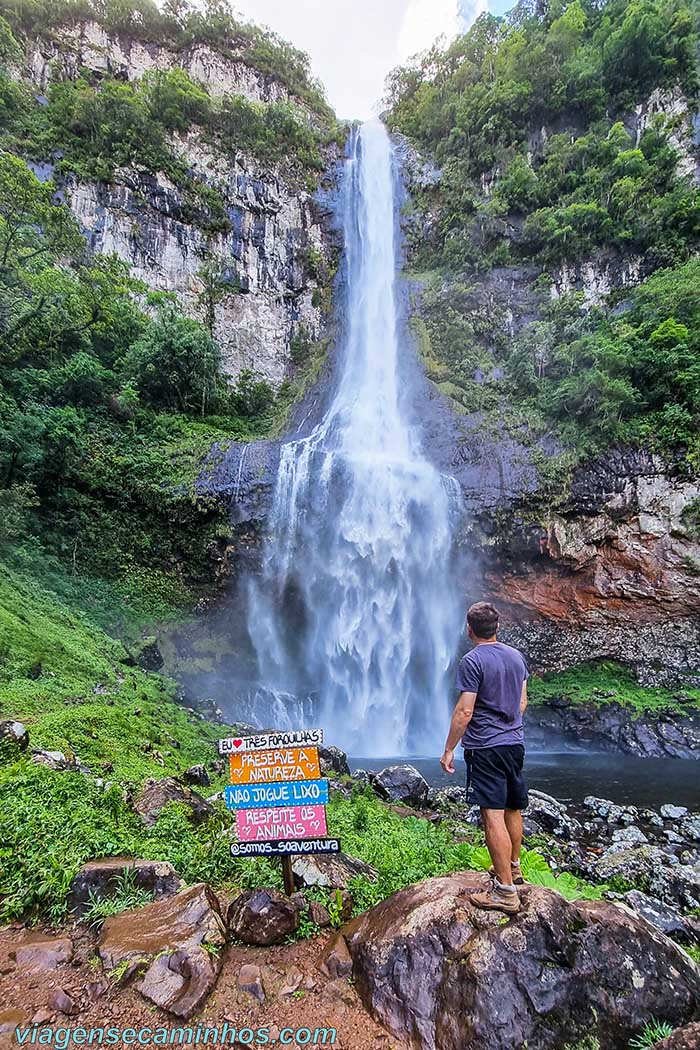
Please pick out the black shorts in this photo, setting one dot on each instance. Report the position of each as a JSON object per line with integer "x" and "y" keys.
{"x": 495, "y": 777}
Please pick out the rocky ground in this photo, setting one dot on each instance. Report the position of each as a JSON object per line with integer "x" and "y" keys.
{"x": 423, "y": 968}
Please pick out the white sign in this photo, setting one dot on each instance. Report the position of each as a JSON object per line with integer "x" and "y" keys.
{"x": 265, "y": 741}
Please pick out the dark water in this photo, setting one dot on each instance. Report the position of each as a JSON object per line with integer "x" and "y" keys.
{"x": 570, "y": 776}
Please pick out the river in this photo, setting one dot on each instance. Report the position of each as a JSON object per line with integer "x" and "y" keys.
{"x": 571, "y": 775}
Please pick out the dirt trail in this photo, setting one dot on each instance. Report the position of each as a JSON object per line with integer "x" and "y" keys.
{"x": 79, "y": 993}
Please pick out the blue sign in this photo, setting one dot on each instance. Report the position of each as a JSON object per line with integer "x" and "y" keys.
{"x": 258, "y": 796}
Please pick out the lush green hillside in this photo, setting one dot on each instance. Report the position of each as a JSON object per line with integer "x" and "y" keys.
{"x": 529, "y": 119}
{"x": 110, "y": 398}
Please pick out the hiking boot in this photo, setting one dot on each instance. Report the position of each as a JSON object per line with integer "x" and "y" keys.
{"x": 499, "y": 898}
{"x": 515, "y": 872}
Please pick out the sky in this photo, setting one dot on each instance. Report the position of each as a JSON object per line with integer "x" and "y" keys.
{"x": 353, "y": 44}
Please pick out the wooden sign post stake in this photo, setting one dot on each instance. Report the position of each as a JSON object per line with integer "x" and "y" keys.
{"x": 288, "y": 875}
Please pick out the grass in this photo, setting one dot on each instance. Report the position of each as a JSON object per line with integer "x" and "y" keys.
{"x": 607, "y": 682}
{"x": 651, "y": 1034}
{"x": 126, "y": 895}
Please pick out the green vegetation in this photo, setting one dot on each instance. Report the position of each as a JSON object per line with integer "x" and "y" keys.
{"x": 109, "y": 402}
{"x": 651, "y": 1034}
{"x": 606, "y": 682}
{"x": 582, "y": 190}
{"x": 178, "y": 25}
{"x": 77, "y": 691}
{"x": 126, "y": 895}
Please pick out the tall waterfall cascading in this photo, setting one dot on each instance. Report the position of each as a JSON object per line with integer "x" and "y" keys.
{"x": 358, "y": 604}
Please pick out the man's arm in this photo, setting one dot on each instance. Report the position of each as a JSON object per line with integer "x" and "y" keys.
{"x": 464, "y": 709}
{"x": 523, "y": 698}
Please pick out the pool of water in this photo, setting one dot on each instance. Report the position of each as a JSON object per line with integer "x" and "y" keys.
{"x": 570, "y": 776}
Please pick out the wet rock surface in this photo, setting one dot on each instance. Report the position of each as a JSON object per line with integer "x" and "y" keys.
{"x": 402, "y": 783}
{"x": 442, "y": 974}
{"x": 165, "y": 945}
{"x": 686, "y": 1038}
{"x": 332, "y": 870}
{"x": 36, "y": 952}
{"x": 100, "y": 878}
{"x": 614, "y": 727}
{"x": 263, "y": 917}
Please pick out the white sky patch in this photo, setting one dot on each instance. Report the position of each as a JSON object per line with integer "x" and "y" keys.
{"x": 423, "y": 21}
{"x": 353, "y": 44}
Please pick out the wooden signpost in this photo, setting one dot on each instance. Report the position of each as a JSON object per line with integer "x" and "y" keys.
{"x": 278, "y": 795}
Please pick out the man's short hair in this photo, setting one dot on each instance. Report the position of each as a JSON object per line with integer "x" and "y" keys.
{"x": 483, "y": 618}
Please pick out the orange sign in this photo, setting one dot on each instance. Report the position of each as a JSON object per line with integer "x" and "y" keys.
{"x": 270, "y": 767}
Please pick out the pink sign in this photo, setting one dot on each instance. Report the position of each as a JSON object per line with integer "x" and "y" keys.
{"x": 284, "y": 822}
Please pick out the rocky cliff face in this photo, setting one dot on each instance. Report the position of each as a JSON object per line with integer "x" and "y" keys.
{"x": 278, "y": 233}
{"x": 606, "y": 565}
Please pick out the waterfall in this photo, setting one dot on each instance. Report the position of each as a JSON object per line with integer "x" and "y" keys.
{"x": 357, "y": 609}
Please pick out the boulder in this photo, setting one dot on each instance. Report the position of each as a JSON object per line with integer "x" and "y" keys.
{"x": 263, "y": 917}
{"x": 661, "y": 915}
{"x": 689, "y": 827}
{"x": 677, "y": 884}
{"x": 34, "y": 952}
{"x": 604, "y": 808}
{"x": 361, "y": 775}
{"x": 633, "y": 866}
{"x": 686, "y": 1038}
{"x": 334, "y": 870}
{"x": 551, "y": 815}
{"x": 333, "y": 760}
{"x": 14, "y": 734}
{"x": 318, "y": 914}
{"x": 629, "y": 836}
{"x": 443, "y": 975}
{"x": 669, "y": 812}
{"x": 158, "y": 793}
{"x": 401, "y": 784}
{"x": 196, "y": 775}
{"x": 58, "y": 761}
{"x": 450, "y": 797}
{"x": 99, "y": 878}
{"x": 173, "y": 944}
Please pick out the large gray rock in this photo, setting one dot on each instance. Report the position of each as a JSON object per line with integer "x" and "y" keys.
{"x": 334, "y": 870}
{"x": 664, "y": 917}
{"x": 689, "y": 827}
{"x": 158, "y": 793}
{"x": 442, "y": 975}
{"x": 263, "y": 917}
{"x": 552, "y": 816}
{"x": 98, "y": 879}
{"x": 653, "y": 871}
{"x": 14, "y": 734}
{"x": 167, "y": 943}
{"x": 401, "y": 784}
{"x": 333, "y": 760}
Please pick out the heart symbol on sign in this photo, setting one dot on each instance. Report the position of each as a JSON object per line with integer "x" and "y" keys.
{"x": 237, "y": 743}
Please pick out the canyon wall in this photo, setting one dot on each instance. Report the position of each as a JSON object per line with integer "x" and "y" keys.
{"x": 276, "y": 239}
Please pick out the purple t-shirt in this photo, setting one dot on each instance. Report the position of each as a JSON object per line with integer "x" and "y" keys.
{"x": 495, "y": 672}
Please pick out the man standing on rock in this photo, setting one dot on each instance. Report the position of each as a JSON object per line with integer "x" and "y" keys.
{"x": 488, "y": 718}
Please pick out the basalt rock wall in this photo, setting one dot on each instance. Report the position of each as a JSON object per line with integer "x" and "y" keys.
{"x": 277, "y": 233}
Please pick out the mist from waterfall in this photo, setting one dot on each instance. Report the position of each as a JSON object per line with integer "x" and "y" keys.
{"x": 356, "y": 616}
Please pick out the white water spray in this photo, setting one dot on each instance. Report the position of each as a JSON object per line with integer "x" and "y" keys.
{"x": 358, "y": 605}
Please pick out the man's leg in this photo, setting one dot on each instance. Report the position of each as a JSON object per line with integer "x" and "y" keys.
{"x": 514, "y": 825}
{"x": 498, "y": 843}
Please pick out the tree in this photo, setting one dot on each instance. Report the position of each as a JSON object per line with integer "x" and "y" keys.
{"x": 175, "y": 365}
